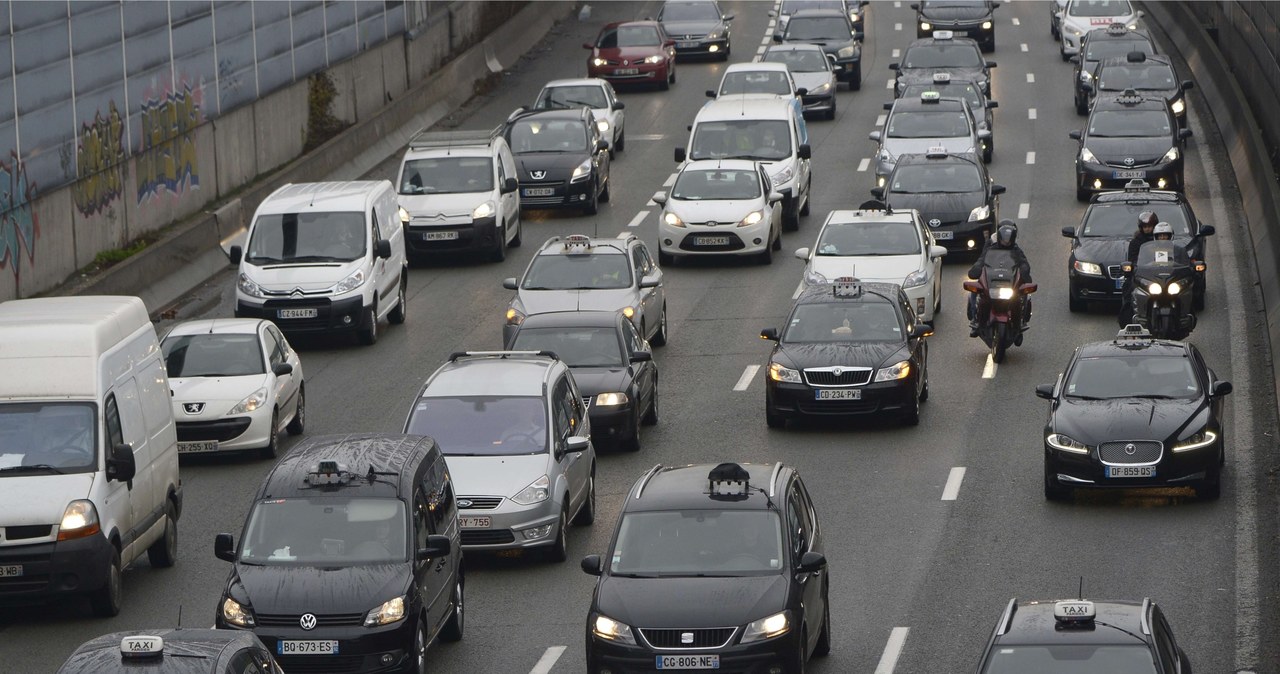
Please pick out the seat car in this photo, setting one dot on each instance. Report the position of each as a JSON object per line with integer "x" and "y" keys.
{"x": 1151, "y": 76}
{"x": 1114, "y": 41}
{"x": 856, "y": 9}
{"x": 848, "y": 349}
{"x": 953, "y": 193}
{"x": 594, "y": 93}
{"x": 812, "y": 71}
{"x": 611, "y": 363}
{"x": 236, "y": 385}
{"x": 832, "y": 30}
{"x": 173, "y": 651}
{"x": 1081, "y": 16}
{"x": 579, "y": 272}
{"x": 349, "y": 559}
{"x": 1134, "y": 412}
{"x": 711, "y": 567}
{"x": 959, "y": 57}
{"x": 915, "y": 126}
{"x": 515, "y": 430}
{"x": 563, "y": 159}
{"x": 973, "y": 19}
{"x": 881, "y": 247}
{"x": 720, "y": 207}
{"x": 1129, "y": 137}
{"x": 699, "y": 27}
{"x": 633, "y": 52}
{"x": 981, "y": 106}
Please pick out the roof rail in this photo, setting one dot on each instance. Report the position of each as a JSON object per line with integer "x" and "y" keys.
{"x": 773, "y": 478}
{"x": 1146, "y": 611}
{"x": 431, "y": 140}
{"x": 1006, "y": 618}
{"x": 458, "y": 355}
{"x": 644, "y": 479}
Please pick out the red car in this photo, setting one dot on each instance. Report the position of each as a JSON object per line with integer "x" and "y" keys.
{"x": 633, "y": 52}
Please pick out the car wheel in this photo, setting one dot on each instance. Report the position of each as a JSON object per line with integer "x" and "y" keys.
{"x": 801, "y": 656}
{"x": 418, "y": 663}
{"x": 593, "y": 205}
{"x": 1082, "y": 194}
{"x": 368, "y": 334}
{"x": 622, "y": 141}
{"x": 808, "y": 197}
{"x": 937, "y": 302}
{"x": 105, "y": 601}
{"x": 660, "y": 337}
{"x": 823, "y": 647}
{"x": 401, "y": 312}
{"x": 1211, "y": 488}
{"x": 791, "y": 219}
{"x": 164, "y": 552}
{"x": 831, "y": 114}
{"x": 559, "y": 550}
{"x": 665, "y": 84}
{"x": 671, "y": 77}
{"x": 924, "y": 391}
{"x": 1064, "y": 54}
{"x": 1053, "y": 490}
{"x": 651, "y": 415}
{"x": 855, "y": 84}
{"x": 911, "y": 415}
{"x": 587, "y": 513}
{"x": 989, "y": 152}
{"x": 299, "y": 421}
{"x": 1197, "y": 300}
{"x": 771, "y": 418}
{"x": 519, "y": 235}
{"x": 452, "y": 630}
{"x": 631, "y": 441}
{"x": 777, "y": 241}
{"x": 1074, "y": 302}
{"x": 766, "y": 256}
{"x": 499, "y": 252}
{"x": 273, "y": 437}
{"x": 1082, "y": 106}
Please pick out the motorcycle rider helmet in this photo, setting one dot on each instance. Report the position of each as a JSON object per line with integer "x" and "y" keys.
{"x": 1163, "y": 229}
{"x": 1147, "y": 220}
{"x": 1007, "y": 233}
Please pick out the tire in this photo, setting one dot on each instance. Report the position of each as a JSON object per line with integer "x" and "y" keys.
{"x": 1053, "y": 491}
{"x": 592, "y": 207}
{"x": 798, "y": 663}
{"x": 765, "y": 256}
{"x": 808, "y": 196}
{"x": 1063, "y": 53}
{"x": 558, "y": 552}
{"x": 164, "y": 552}
{"x": 368, "y": 334}
{"x": 1162, "y": 329}
{"x": 671, "y": 78}
{"x": 1197, "y": 301}
{"x": 831, "y": 114}
{"x": 587, "y": 513}
{"x": 452, "y": 630}
{"x": 777, "y": 242}
{"x": 401, "y": 312}
{"x": 631, "y": 441}
{"x": 990, "y": 153}
{"x": 273, "y": 441}
{"x": 106, "y": 600}
{"x": 499, "y": 252}
{"x": 419, "y": 662}
{"x": 660, "y": 337}
{"x": 1211, "y": 488}
{"x": 823, "y": 647}
{"x": 1082, "y": 106}
{"x": 651, "y": 415}
{"x": 773, "y": 419}
{"x": 1082, "y": 194}
{"x": 791, "y": 220}
{"x": 666, "y": 259}
{"x": 516, "y": 238}
{"x": 855, "y": 84}
{"x": 911, "y": 416}
{"x": 924, "y": 392}
{"x": 1000, "y": 343}
{"x": 299, "y": 421}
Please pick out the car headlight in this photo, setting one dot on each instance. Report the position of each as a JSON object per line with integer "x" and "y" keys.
{"x": 1200, "y": 440}
{"x": 752, "y": 218}
{"x": 1174, "y": 288}
{"x": 899, "y": 370}
{"x": 1171, "y": 155}
{"x": 537, "y": 492}
{"x": 612, "y": 399}
{"x": 248, "y": 287}
{"x": 612, "y": 630}
{"x": 672, "y": 219}
{"x": 599, "y": 62}
{"x": 654, "y": 60}
{"x": 79, "y": 520}
{"x": 582, "y": 172}
{"x": 779, "y": 373}
{"x": 482, "y": 211}
{"x": 1001, "y": 293}
{"x": 775, "y": 625}
{"x": 390, "y": 612}
{"x": 603, "y": 125}
{"x": 1090, "y": 268}
{"x": 514, "y": 316}
{"x": 812, "y": 277}
{"x": 820, "y": 89}
{"x": 1086, "y": 77}
{"x": 235, "y": 614}
{"x": 1066, "y": 444}
{"x": 253, "y": 402}
{"x": 787, "y": 173}
{"x": 629, "y": 312}
{"x": 880, "y": 180}
{"x": 980, "y": 213}
{"x": 1154, "y": 289}
{"x": 845, "y": 53}
{"x": 916, "y": 278}
{"x": 1087, "y": 156}
{"x": 713, "y": 35}
{"x": 1075, "y": 32}
{"x": 355, "y": 280}
{"x": 925, "y": 25}
{"x": 986, "y": 25}
{"x": 1178, "y": 106}
{"x": 404, "y": 215}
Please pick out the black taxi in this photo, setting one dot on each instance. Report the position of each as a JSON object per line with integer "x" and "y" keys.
{"x": 1129, "y": 137}
{"x": 1099, "y": 44}
{"x": 173, "y": 651}
{"x": 954, "y": 194}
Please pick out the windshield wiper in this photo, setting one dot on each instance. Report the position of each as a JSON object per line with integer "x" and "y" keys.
{"x": 263, "y": 259}
{"x": 576, "y": 102}
{"x": 315, "y": 258}
{"x": 635, "y": 575}
{"x": 30, "y": 467}
{"x": 1152, "y": 396}
{"x": 1079, "y": 397}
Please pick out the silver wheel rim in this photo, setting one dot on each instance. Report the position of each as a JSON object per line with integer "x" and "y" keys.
{"x": 458, "y": 605}
{"x": 420, "y": 648}
{"x": 301, "y": 414}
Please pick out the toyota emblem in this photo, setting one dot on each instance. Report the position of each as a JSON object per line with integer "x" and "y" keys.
{"x": 464, "y": 503}
{"x": 538, "y": 175}
{"x": 307, "y": 621}
{"x": 1130, "y": 449}
{"x": 193, "y": 408}
{"x": 1128, "y": 161}
{"x": 935, "y": 222}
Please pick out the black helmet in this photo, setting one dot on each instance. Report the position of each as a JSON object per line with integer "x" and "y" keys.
{"x": 1147, "y": 219}
{"x": 1007, "y": 233}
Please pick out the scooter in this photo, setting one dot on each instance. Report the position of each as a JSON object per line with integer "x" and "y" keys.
{"x": 1000, "y": 315}
{"x": 1164, "y": 281}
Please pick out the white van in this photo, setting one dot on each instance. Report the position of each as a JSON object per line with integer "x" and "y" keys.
{"x": 88, "y": 449}
{"x": 767, "y": 130}
{"x": 325, "y": 257}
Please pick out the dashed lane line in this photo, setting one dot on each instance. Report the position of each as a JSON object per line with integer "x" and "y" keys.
{"x": 1031, "y": 157}
{"x": 888, "y": 85}
{"x": 671, "y": 180}
{"x": 880, "y": 120}
{"x": 952, "y": 488}
{"x": 989, "y": 370}
{"x": 862, "y": 165}
{"x": 892, "y": 649}
{"x": 548, "y": 660}
{"x": 1031, "y": 78}
{"x": 747, "y": 375}
{"x": 1024, "y": 46}
{"x": 897, "y": 26}
{"x": 897, "y": 53}
{"x": 1016, "y": 22}
{"x": 635, "y": 222}
{"x": 1031, "y": 113}
{"x": 1024, "y": 211}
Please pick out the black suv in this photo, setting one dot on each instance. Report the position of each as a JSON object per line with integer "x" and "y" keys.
{"x": 973, "y": 19}
{"x": 1099, "y": 44}
{"x": 1129, "y": 137}
{"x": 562, "y": 158}
{"x": 832, "y": 30}
{"x": 350, "y": 557}
{"x": 711, "y": 568}
{"x": 953, "y": 193}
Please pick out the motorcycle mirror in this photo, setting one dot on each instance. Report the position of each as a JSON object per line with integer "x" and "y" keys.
{"x": 1028, "y": 288}
{"x": 973, "y": 286}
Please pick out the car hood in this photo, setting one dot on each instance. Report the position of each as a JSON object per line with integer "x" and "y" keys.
{"x": 1094, "y": 421}
{"x": 219, "y": 394}
{"x": 813, "y": 80}
{"x": 32, "y": 499}
{"x": 869, "y": 269}
{"x": 440, "y": 206}
{"x": 558, "y": 165}
{"x": 901, "y": 146}
{"x": 861, "y": 354}
{"x": 925, "y": 75}
{"x": 678, "y": 29}
{"x": 309, "y": 276}
{"x": 953, "y": 13}
{"x": 719, "y": 211}
{"x": 496, "y": 475}
{"x": 545, "y": 301}
{"x": 703, "y": 602}
{"x": 293, "y": 590}
{"x": 630, "y": 54}
{"x": 1103, "y": 251}
{"x": 943, "y": 206}
{"x": 593, "y": 380}
{"x": 1143, "y": 150}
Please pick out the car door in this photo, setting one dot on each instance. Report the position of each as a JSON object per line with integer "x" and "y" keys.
{"x": 117, "y": 507}
{"x": 646, "y": 297}
{"x": 284, "y": 387}
{"x": 432, "y": 575}
{"x": 510, "y": 200}
{"x": 644, "y": 374}
{"x": 773, "y": 208}
{"x": 801, "y": 132}
{"x": 616, "y": 117}
{"x": 659, "y": 291}
{"x": 800, "y": 533}
{"x": 142, "y": 501}
{"x": 569, "y": 421}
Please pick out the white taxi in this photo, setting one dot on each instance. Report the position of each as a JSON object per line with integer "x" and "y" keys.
{"x": 1081, "y": 16}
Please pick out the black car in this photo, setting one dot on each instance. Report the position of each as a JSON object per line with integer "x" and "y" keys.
{"x": 1078, "y": 635}
{"x": 711, "y": 568}
{"x": 1101, "y": 243}
{"x": 1129, "y": 137}
{"x": 953, "y": 193}
{"x": 611, "y": 362}
{"x": 848, "y": 349}
{"x": 964, "y": 18}
{"x": 561, "y": 157}
{"x": 698, "y": 27}
{"x": 1099, "y": 44}
{"x": 856, "y": 9}
{"x": 943, "y": 53}
{"x": 1134, "y": 412}
{"x": 967, "y": 91}
{"x": 832, "y": 30}
{"x": 173, "y": 651}
{"x": 350, "y": 558}
{"x": 1150, "y": 76}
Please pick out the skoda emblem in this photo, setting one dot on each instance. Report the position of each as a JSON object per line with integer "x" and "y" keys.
{"x": 686, "y": 637}
{"x": 193, "y": 408}
{"x": 307, "y": 621}
{"x": 837, "y": 371}
{"x": 464, "y": 503}
{"x": 935, "y": 222}
{"x": 1128, "y": 161}
{"x": 538, "y": 175}
{"x": 1130, "y": 449}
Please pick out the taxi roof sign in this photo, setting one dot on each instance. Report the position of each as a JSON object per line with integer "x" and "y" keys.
{"x": 942, "y": 78}
{"x": 1137, "y": 185}
{"x": 577, "y": 240}
{"x": 846, "y": 286}
{"x": 729, "y": 481}
{"x": 930, "y": 97}
{"x": 327, "y": 472}
{"x": 936, "y": 152}
{"x": 1129, "y": 97}
{"x": 1132, "y": 332}
{"x": 1117, "y": 28}
{"x": 943, "y": 34}
{"x": 141, "y": 646}
{"x": 1074, "y": 611}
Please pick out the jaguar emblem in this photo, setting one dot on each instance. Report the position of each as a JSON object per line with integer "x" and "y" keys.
{"x": 307, "y": 621}
{"x": 935, "y": 222}
{"x": 538, "y": 175}
{"x": 1130, "y": 449}
{"x": 193, "y": 408}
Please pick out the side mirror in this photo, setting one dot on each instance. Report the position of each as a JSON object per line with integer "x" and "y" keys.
{"x": 121, "y": 466}
{"x": 1074, "y": 135}
{"x": 770, "y": 334}
{"x": 936, "y": 251}
{"x": 991, "y": 64}
{"x": 728, "y": 17}
{"x": 1184, "y": 134}
{"x": 641, "y": 357}
{"x": 576, "y": 444}
{"x": 993, "y": 104}
{"x": 893, "y": 66}
{"x": 669, "y": 43}
{"x": 1075, "y": 60}
{"x": 509, "y": 284}
{"x": 921, "y": 330}
{"x": 915, "y": 6}
{"x": 775, "y": 197}
{"x": 1045, "y": 391}
{"x": 888, "y": 106}
{"x": 801, "y": 91}
{"x": 1206, "y": 230}
{"x": 773, "y": 14}
{"x": 602, "y": 145}
{"x": 619, "y": 105}
{"x": 804, "y": 152}
{"x": 587, "y": 45}
{"x": 281, "y": 369}
{"x": 811, "y": 562}
{"x": 659, "y": 198}
{"x": 777, "y": 37}
{"x": 1028, "y": 288}
{"x": 711, "y": 93}
{"x": 1221, "y": 388}
{"x": 237, "y": 254}
{"x": 1188, "y": 85}
{"x": 802, "y": 254}
{"x": 593, "y": 565}
{"x": 997, "y": 190}
{"x": 878, "y": 192}
{"x": 650, "y": 281}
{"x": 1139, "y": 14}
{"x": 224, "y": 547}
{"x": 383, "y": 249}
{"x": 874, "y": 135}
{"x": 436, "y": 547}
{"x": 510, "y": 186}
{"x": 1069, "y": 232}
{"x": 831, "y": 58}
{"x": 680, "y": 155}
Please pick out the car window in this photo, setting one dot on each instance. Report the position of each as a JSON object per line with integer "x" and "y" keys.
{"x": 562, "y": 410}
{"x": 808, "y": 29}
{"x": 447, "y": 175}
{"x": 798, "y": 526}
{"x": 760, "y": 139}
{"x": 280, "y": 339}
{"x": 572, "y": 96}
{"x": 1164, "y": 641}
{"x": 274, "y": 352}
{"x": 548, "y": 135}
{"x": 799, "y": 60}
{"x": 637, "y": 261}
{"x": 632, "y": 338}
{"x": 703, "y": 541}
{"x": 756, "y": 82}
{"x": 53, "y": 433}
{"x": 1067, "y": 658}
{"x": 423, "y": 522}
{"x": 1121, "y": 219}
{"x": 213, "y": 355}
{"x": 939, "y": 124}
{"x": 1130, "y": 123}
{"x": 111, "y": 414}
{"x": 807, "y": 501}
{"x": 649, "y": 264}
{"x": 837, "y": 322}
{"x": 1105, "y": 377}
{"x": 635, "y": 36}
{"x": 578, "y": 271}
{"x": 576, "y": 346}
{"x": 325, "y": 531}
{"x": 1152, "y": 77}
{"x": 307, "y": 237}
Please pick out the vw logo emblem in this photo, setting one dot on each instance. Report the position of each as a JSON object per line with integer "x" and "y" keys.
{"x": 686, "y": 637}
{"x": 464, "y": 503}
{"x": 193, "y": 408}
{"x": 307, "y": 621}
{"x": 1130, "y": 449}
{"x": 935, "y": 222}
{"x": 538, "y": 175}
{"x": 1128, "y": 161}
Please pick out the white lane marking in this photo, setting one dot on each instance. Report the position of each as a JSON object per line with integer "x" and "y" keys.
{"x": 880, "y": 120}
{"x": 897, "y": 26}
{"x": 671, "y": 180}
{"x": 548, "y": 660}
{"x": 888, "y": 85}
{"x": 1024, "y": 46}
{"x": 893, "y": 649}
{"x": 989, "y": 370}
{"x": 1024, "y": 210}
{"x": 897, "y": 4}
{"x": 745, "y": 380}
{"x": 897, "y": 53}
{"x": 1031, "y": 113}
{"x": 648, "y": 136}
{"x": 862, "y": 165}
{"x": 760, "y": 50}
{"x": 635, "y": 222}
{"x": 1031, "y": 78}
{"x": 1016, "y": 22}
{"x": 765, "y": 42}
{"x": 952, "y": 489}
{"x": 773, "y": 22}
{"x": 1031, "y": 157}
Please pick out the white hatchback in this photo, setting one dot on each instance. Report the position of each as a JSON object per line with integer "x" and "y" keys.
{"x": 720, "y": 207}
{"x": 236, "y": 384}
{"x": 1081, "y": 16}
{"x": 880, "y": 247}
{"x": 594, "y": 93}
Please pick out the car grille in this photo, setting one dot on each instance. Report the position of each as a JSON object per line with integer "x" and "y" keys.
{"x": 487, "y": 536}
{"x": 221, "y": 430}
{"x": 1114, "y": 271}
{"x": 35, "y": 559}
{"x": 1144, "y": 451}
{"x": 291, "y": 619}
{"x": 691, "y": 37}
{"x": 1122, "y": 165}
{"x": 715, "y": 637}
{"x": 329, "y": 664}
{"x": 481, "y": 502}
{"x": 586, "y": 402}
{"x": 20, "y": 533}
{"x": 826, "y": 376}
{"x": 837, "y": 406}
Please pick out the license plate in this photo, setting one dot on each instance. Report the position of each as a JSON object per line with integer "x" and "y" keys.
{"x": 1119, "y": 284}
{"x": 687, "y": 45}
{"x": 838, "y": 394}
{"x": 539, "y": 191}
{"x": 11, "y": 571}
{"x": 439, "y": 236}
{"x": 306, "y": 648}
{"x": 474, "y": 522}
{"x": 944, "y": 236}
{"x": 687, "y": 661}
{"x": 627, "y": 71}
{"x": 713, "y": 241}
{"x": 297, "y": 313}
{"x": 1128, "y": 175}
{"x": 959, "y": 33}
{"x": 196, "y": 447}
{"x": 1131, "y": 471}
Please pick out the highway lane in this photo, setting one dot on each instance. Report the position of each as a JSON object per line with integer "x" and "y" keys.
{"x": 902, "y": 557}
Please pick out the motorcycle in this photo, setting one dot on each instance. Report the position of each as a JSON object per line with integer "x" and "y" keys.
{"x": 1164, "y": 281}
{"x": 1000, "y": 316}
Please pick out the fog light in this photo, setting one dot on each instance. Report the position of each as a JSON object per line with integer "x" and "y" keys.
{"x": 1097, "y": 183}
{"x": 971, "y": 243}
{"x": 346, "y": 320}
{"x": 757, "y": 241}
{"x": 537, "y": 532}
{"x": 1161, "y": 183}
{"x": 713, "y": 48}
{"x": 666, "y": 242}
{"x": 387, "y": 658}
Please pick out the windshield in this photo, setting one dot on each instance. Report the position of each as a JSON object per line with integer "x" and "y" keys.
{"x": 1112, "y": 8}
{"x": 1155, "y": 77}
{"x": 943, "y": 56}
{"x": 325, "y": 531}
{"x": 1070, "y": 659}
{"x": 699, "y": 543}
{"x": 1164, "y": 256}
{"x": 482, "y": 425}
{"x": 1129, "y": 123}
{"x": 716, "y": 185}
{"x": 61, "y": 436}
{"x": 790, "y": 7}
{"x": 843, "y": 322}
{"x": 821, "y": 28}
{"x": 572, "y": 97}
{"x": 1106, "y": 49}
{"x": 1130, "y": 376}
{"x": 307, "y": 237}
{"x": 760, "y": 139}
{"x": 579, "y": 347}
{"x": 941, "y": 124}
{"x": 447, "y": 175}
{"x": 946, "y": 178}
{"x": 213, "y": 355}
{"x": 799, "y": 60}
{"x": 873, "y": 238}
{"x": 689, "y": 11}
{"x": 758, "y": 82}
{"x": 578, "y": 271}
{"x": 1121, "y": 220}
{"x": 630, "y": 36}
{"x": 548, "y": 135}
{"x": 965, "y": 91}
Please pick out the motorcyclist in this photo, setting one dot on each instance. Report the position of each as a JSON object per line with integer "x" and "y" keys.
{"x": 1163, "y": 231}
{"x": 1146, "y": 227}
{"x": 1001, "y": 251}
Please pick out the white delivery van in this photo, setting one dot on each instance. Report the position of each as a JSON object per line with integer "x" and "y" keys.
{"x": 88, "y": 449}
{"x": 325, "y": 257}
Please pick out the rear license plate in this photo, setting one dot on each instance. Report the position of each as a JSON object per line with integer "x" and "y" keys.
{"x": 474, "y": 522}
{"x": 306, "y": 648}
{"x": 959, "y": 33}
{"x": 687, "y": 661}
{"x": 439, "y": 236}
{"x": 196, "y": 447}
{"x": 944, "y": 236}
{"x": 1119, "y": 284}
{"x": 11, "y": 571}
{"x": 297, "y": 313}
{"x": 838, "y": 394}
{"x": 627, "y": 71}
{"x": 539, "y": 191}
{"x": 1128, "y": 175}
{"x": 687, "y": 45}
{"x": 713, "y": 241}
{"x": 1131, "y": 471}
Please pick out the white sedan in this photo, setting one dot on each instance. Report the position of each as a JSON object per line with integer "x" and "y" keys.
{"x": 882, "y": 247}
{"x": 236, "y": 384}
{"x": 1081, "y": 16}
{"x": 720, "y": 207}
{"x": 594, "y": 93}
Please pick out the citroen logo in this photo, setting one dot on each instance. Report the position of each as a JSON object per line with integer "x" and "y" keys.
{"x": 307, "y": 621}
{"x": 935, "y": 222}
{"x": 1130, "y": 449}
{"x": 297, "y": 292}
{"x": 1128, "y": 161}
{"x": 193, "y": 408}
{"x": 464, "y": 503}
{"x": 686, "y": 637}
{"x": 538, "y": 175}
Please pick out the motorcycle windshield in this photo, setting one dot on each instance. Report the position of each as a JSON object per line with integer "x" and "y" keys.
{"x": 1165, "y": 256}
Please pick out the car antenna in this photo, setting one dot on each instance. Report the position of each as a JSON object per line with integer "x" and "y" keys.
{"x": 179, "y": 616}
{"x": 1080, "y": 594}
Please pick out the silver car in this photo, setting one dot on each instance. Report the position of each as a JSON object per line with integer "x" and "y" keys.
{"x": 516, "y": 436}
{"x": 915, "y": 125}
{"x": 812, "y": 71}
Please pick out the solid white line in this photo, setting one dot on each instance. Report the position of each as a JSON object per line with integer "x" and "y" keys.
{"x": 1031, "y": 113}
{"x": 648, "y": 136}
{"x": 1024, "y": 210}
{"x": 893, "y": 649}
{"x": 548, "y": 660}
{"x": 952, "y": 489}
{"x": 888, "y": 85}
{"x": 635, "y": 222}
{"x": 880, "y": 120}
{"x": 1031, "y": 78}
{"x": 1031, "y": 157}
{"x": 897, "y": 53}
{"x": 1024, "y": 46}
{"x": 745, "y": 380}
{"x": 897, "y": 26}
{"x": 1016, "y": 22}
{"x": 671, "y": 180}
{"x": 989, "y": 370}
{"x": 862, "y": 165}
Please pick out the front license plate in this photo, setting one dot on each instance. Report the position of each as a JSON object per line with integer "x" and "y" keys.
{"x": 474, "y": 522}
{"x": 687, "y": 45}
{"x": 539, "y": 191}
{"x": 627, "y": 71}
{"x": 1131, "y": 471}
{"x": 439, "y": 236}
{"x": 838, "y": 394}
{"x": 959, "y": 33}
{"x": 713, "y": 241}
{"x": 687, "y": 661}
{"x": 196, "y": 447}
{"x": 306, "y": 648}
{"x": 11, "y": 571}
{"x": 1128, "y": 175}
{"x": 944, "y": 236}
{"x": 297, "y": 313}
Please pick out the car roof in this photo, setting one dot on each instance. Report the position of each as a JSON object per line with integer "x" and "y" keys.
{"x": 873, "y": 292}
{"x": 217, "y": 326}
{"x": 383, "y": 452}
{"x": 1134, "y": 346}
{"x": 820, "y": 13}
{"x": 600, "y": 245}
{"x": 480, "y": 376}
{"x": 688, "y": 488}
{"x": 198, "y": 650}
{"x": 1033, "y": 622}
{"x": 1104, "y": 33}
{"x": 847, "y": 217}
{"x": 730, "y": 108}
{"x": 576, "y": 82}
{"x": 579, "y": 114}
{"x": 757, "y": 66}
{"x": 1149, "y": 59}
{"x": 1144, "y": 197}
{"x": 719, "y": 164}
{"x": 571, "y": 319}
{"x": 351, "y": 195}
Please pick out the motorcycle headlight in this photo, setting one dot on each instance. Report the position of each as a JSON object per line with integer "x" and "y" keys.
{"x": 1087, "y": 156}
{"x": 1154, "y": 289}
{"x": 598, "y": 62}
{"x": 925, "y": 25}
{"x": 1001, "y": 293}
{"x": 248, "y": 287}
{"x": 612, "y": 399}
{"x": 1171, "y": 155}
{"x": 980, "y": 213}
{"x": 514, "y": 316}
{"x": 1200, "y": 440}
{"x": 775, "y": 625}
{"x": 916, "y": 278}
{"x": 537, "y": 492}
{"x": 653, "y": 60}
{"x": 1174, "y": 288}
{"x": 253, "y": 402}
{"x": 404, "y": 215}
{"x": 820, "y": 89}
{"x": 390, "y": 611}
{"x": 783, "y": 176}
{"x": 482, "y": 211}
{"x": 1090, "y": 268}
{"x": 612, "y": 630}
{"x": 752, "y": 218}
{"x": 986, "y": 25}
{"x": 880, "y": 180}
{"x": 1066, "y": 444}
{"x": 582, "y": 172}
{"x": 899, "y": 370}
{"x": 785, "y": 374}
{"x": 812, "y": 277}
{"x": 235, "y": 614}
{"x": 845, "y": 53}
{"x": 346, "y": 285}
{"x": 79, "y": 520}
{"x": 1178, "y": 106}
{"x": 672, "y": 219}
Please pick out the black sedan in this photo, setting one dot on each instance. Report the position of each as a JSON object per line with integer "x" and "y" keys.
{"x": 1114, "y": 41}
{"x": 953, "y": 193}
{"x": 832, "y": 30}
{"x": 1151, "y": 76}
{"x": 1134, "y": 412}
{"x": 699, "y": 27}
{"x": 964, "y": 18}
{"x": 959, "y": 57}
{"x": 1129, "y": 137}
{"x": 561, "y": 157}
{"x": 611, "y": 363}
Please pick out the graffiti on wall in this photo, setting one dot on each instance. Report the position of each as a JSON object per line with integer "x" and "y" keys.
{"x": 167, "y": 156}
{"x": 100, "y": 162}
{"x": 18, "y": 226}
